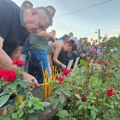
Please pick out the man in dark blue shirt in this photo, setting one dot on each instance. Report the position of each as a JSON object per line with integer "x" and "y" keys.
{"x": 15, "y": 24}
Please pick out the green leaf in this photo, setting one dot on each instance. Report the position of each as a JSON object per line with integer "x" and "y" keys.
{"x": 80, "y": 107}
{"x": 55, "y": 103}
{"x": 83, "y": 62}
{"x": 62, "y": 99}
{"x": 23, "y": 84}
{"x": 1, "y": 82}
{"x": 20, "y": 114}
{"x": 52, "y": 82}
{"x": 78, "y": 103}
{"x": 5, "y": 117}
{"x": 33, "y": 116}
{"x": 90, "y": 107}
{"x": 22, "y": 104}
{"x": 95, "y": 109}
{"x": 91, "y": 93}
{"x": 30, "y": 111}
{"x": 4, "y": 92}
{"x": 13, "y": 85}
{"x": 46, "y": 104}
{"x": 68, "y": 93}
{"x": 117, "y": 73}
{"x": 30, "y": 103}
{"x": 84, "y": 105}
{"x": 4, "y": 99}
{"x": 14, "y": 116}
{"x": 59, "y": 92}
{"x": 93, "y": 113}
{"x": 63, "y": 114}
{"x": 38, "y": 106}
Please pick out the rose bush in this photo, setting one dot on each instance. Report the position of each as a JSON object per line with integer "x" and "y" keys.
{"x": 90, "y": 91}
{"x": 9, "y": 75}
{"x": 18, "y": 63}
{"x": 15, "y": 93}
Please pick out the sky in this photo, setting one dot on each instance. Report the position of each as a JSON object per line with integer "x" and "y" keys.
{"x": 72, "y": 16}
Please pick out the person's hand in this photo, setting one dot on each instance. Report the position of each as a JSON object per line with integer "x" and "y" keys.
{"x": 51, "y": 63}
{"x": 63, "y": 66}
{"x": 32, "y": 80}
{"x": 41, "y": 33}
{"x": 46, "y": 35}
{"x": 52, "y": 39}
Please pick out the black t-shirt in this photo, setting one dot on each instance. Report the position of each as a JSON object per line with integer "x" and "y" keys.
{"x": 11, "y": 30}
{"x": 62, "y": 56}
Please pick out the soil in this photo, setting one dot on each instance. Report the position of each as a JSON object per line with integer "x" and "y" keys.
{"x": 50, "y": 115}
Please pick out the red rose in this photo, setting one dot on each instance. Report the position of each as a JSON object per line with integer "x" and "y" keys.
{"x": 65, "y": 72}
{"x": 84, "y": 99}
{"x": 9, "y": 76}
{"x": 110, "y": 92}
{"x": 100, "y": 62}
{"x": 18, "y": 63}
{"x": 60, "y": 80}
{"x": 2, "y": 72}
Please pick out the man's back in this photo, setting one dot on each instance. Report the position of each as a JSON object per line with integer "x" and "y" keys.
{"x": 10, "y": 26}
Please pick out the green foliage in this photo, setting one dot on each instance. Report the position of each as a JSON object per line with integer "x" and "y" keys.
{"x": 3, "y": 99}
{"x": 63, "y": 114}
{"x": 81, "y": 96}
{"x": 91, "y": 81}
{"x": 24, "y": 105}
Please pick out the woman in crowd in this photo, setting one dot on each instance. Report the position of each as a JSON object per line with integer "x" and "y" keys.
{"x": 93, "y": 49}
{"x": 63, "y": 39}
{"x": 58, "y": 52}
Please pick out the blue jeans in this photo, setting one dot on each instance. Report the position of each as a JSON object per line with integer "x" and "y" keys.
{"x": 42, "y": 57}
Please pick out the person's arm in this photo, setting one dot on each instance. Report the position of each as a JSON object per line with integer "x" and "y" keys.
{"x": 6, "y": 63}
{"x": 58, "y": 48}
{"x": 45, "y": 34}
{"x": 50, "y": 59}
{"x": 16, "y": 54}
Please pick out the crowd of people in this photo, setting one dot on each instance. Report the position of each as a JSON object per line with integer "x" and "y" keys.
{"x": 23, "y": 36}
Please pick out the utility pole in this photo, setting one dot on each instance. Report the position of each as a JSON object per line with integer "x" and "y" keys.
{"x": 99, "y": 36}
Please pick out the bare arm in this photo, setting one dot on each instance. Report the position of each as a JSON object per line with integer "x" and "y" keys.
{"x": 5, "y": 61}
{"x": 58, "y": 48}
{"x": 50, "y": 59}
{"x": 46, "y": 35}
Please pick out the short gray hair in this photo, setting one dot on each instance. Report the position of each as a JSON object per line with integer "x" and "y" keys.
{"x": 51, "y": 7}
{"x": 26, "y": 2}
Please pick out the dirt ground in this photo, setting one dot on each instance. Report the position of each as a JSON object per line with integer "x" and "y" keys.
{"x": 39, "y": 92}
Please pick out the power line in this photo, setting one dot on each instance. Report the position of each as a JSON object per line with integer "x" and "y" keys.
{"x": 85, "y": 8}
